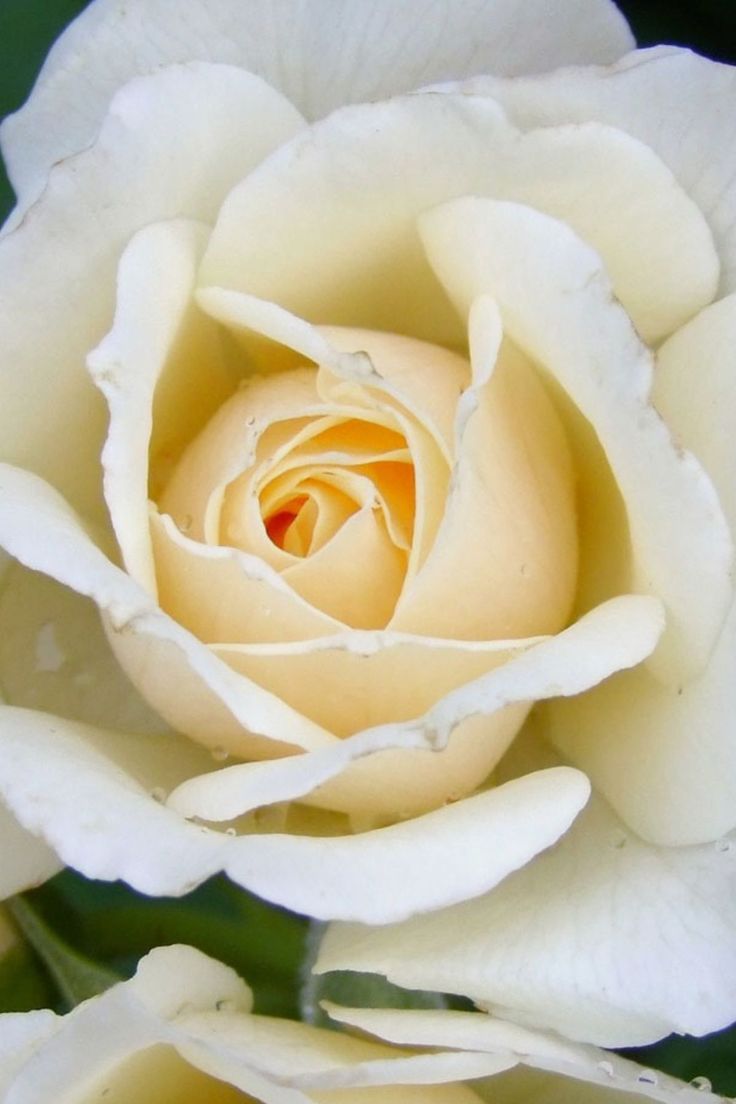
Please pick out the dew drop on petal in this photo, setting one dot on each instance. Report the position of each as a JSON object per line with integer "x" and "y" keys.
{"x": 220, "y": 754}
{"x": 723, "y": 845}
{"x": 648, "y": 1077}
{"x": 231, "y": 831}
{"x": 50, "y": 656}
{"x": 158, "y": 793}
{"x": 606, "y": 1067}
{"x": 702, "y": 1084}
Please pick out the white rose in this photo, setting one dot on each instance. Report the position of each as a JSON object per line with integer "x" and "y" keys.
{"x": 534, "y": 530}
{"x": 182, "y": 1030}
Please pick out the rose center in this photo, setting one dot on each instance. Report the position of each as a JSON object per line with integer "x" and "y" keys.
{"x": 400, "y": 494}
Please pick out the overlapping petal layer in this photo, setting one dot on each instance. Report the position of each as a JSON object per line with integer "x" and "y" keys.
{"x": 664, "y": 755}
{"x": 557, "y": 306}
{"x": 182, "y": 1029}
{"x": 694, "y": 134}
{"x": 318, "y": 63}
{"x": 646, "y": 950}
{"x": 220, "y": 122}
{"x": 366, "y": 173}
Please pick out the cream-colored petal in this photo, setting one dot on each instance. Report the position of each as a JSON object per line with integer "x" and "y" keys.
{"x": 504, "y": 562}
{"x": 356, "y": 680}
{"x": 304, "y": 1057}
{"x": 54, "y": 656}
{"x": 71, "y": 785}
{"x": 419, "y": 865}
{"x": 616, "y": 635}
{"x": 360, "y": 680}
{"x": 547, "y": 1069}
{"x": 365, "y": 263}
{"x": 223, "y": 595}
{"x": 357, "y": 576}
{"x": 160, "y": 369}
{"x": 349, "y": 381}
{"x": 76, "y": 788}
{"x": 181, "y": 1030}
{"x": 174, "y": 671}
{"x": 428, "y": 451}
{"x": 57, "y": 268}
{"x": 319, "y": 62}
{"x": 665, "y": 757}
{"x": 21, "y": 1034}
{"x": 556, "y": 303}
{"x": 27, "y": 861}
{"x": 695, "y": 392}
{"x": 228, "y": 445}
{"x": 695, "y": 135}
{"x": 426, "y": 379}
{"x": 647, "y": 949}
{"x": 89, "y": 1056}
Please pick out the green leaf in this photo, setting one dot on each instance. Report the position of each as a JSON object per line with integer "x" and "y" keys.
{"x": 76, "y": 977}
{"x": 112, "y": 924}
{"x": 24, "y": 984}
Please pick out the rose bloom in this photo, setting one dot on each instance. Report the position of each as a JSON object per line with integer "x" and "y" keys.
{"x": 182, "y": 1031}
{"x": 390, "y": 432}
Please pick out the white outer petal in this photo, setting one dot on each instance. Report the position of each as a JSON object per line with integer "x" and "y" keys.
{"x": 25, "y": 861}
{"x": 558, "y": 306}
{"x": 319, "y": 57}
{"x": 693, "y": 133}
{"x": 172, "y": 145}
{"x": 603, "y": 938}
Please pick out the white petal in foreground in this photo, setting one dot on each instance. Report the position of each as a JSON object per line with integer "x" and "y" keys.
{"x": 320, "y": 57}
{"x": 557, "y": 305}
{"x": 350, "y": 774}
{"x": 26, "y": 860}
{"x": 174, "y": 671}
{"x": 603, "y": 938}
{"x": 72, "y": 785}
{"x": 665, "y": 757}
{"x": 182, "y": 1029}
{"x": 172, "y": 145}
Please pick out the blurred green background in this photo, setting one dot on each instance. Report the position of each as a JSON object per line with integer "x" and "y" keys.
{"x": 81, "y": 935}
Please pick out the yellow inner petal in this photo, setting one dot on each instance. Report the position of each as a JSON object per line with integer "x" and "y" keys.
{"x": 373, "y": 516}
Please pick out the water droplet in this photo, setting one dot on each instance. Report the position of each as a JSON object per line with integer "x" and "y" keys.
{"x": 606, "y": 1067}
{"x": 50, "y": 656}
{"x": 648, "y": 1077}
{"x": 723, "y": 845}
{"x": 226, "y": 1006}
{"x": 619, "y": 840}
{"x": 231, "y": 831}
{"x": 702, "y": 1084}
{"x": 158, "y": 793}
{"x": 250, "y": 421}
{"x": 186, "y": 522}
{"x": 524, "y": 569}
{"x": 220, "y": 754}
